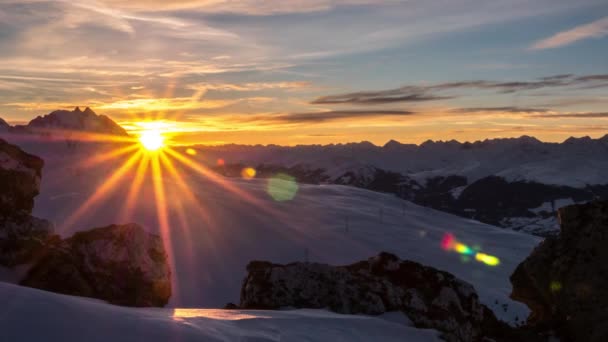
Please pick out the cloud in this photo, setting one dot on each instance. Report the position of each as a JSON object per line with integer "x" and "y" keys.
{"x": 574, "y": 115}
{"x": 434, "y": 92}
{"x": 325, "y": 116}
{"x": 247, "y": 7}
{"x": 255, "y": 86}
{"x": 508, "y": 109}
{"x": 404, "y": 94}
{"x": 596, "y": 29}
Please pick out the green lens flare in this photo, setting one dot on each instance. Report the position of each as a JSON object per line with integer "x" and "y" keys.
{"x": 282, "y": 187}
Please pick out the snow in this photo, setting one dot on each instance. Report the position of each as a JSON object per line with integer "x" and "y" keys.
{"x": 211, "y": 239}
{"x": 34, "y": 315}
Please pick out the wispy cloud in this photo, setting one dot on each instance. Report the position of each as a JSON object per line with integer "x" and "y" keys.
{"x": 434, "y": 92}
{"x": 574, "y": 115}
{"x": 338, "y": 115}
{"x": 404, "y": 94}
{"x": 596, "y": 29}
{"x": 508, "y": 109}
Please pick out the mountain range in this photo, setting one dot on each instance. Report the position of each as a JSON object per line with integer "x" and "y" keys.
{"x": 515, "y": 183}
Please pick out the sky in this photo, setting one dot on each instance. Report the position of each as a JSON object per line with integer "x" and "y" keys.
{"x": 313, "y": 72}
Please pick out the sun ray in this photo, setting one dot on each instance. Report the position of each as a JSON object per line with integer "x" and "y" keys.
{"x": 107, "y": 187}
{"x": 211, "y": 175}
{"x": 134, "y": 189}
{"x": 106, "y": 156}
{"x": 181, "y": 183}
{"x": 181, "y": 215}
{"x": 292, "y": 234}
{"x": 162, "y": 214}
{"x": 56, "y": 134}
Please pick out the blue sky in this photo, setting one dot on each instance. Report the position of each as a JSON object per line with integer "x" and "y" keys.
{"x": 317, "y": 71}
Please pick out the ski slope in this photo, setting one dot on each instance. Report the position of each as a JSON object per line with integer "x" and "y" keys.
{"x": 213, "y": 236}
{"x": 33, "y": 315}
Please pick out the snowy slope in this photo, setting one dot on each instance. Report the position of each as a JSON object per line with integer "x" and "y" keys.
{"x": 220, "y": 232}
{"x": 33, "y": 315}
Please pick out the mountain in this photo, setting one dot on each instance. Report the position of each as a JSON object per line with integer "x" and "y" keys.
{"x": 516, "y": 183}
{"x": 4, "y": 126}
{"x": 76, "y": 120}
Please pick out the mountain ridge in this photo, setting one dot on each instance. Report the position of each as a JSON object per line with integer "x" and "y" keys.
{"x": 74, "y": 120}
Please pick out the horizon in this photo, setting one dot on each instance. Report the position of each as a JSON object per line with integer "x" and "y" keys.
{"x": 171, "y": 141}
{"x": 224, "y": 72}
{"x": 175, "y": 142}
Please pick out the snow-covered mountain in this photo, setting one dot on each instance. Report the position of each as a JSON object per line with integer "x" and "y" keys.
{"x": 76, "y": 120}
{"x": 514, "y": 183}
{"x": 577, "y": 162}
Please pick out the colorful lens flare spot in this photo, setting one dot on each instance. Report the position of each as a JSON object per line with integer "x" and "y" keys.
{"x": 555, "y": 286}
{"x": 282, "y": 187}
{"x": 487, "y": 259}
{"x": 221, "y": 162}
{"x": 248, "y": 173}
{"x": 449, "y": 243}
{"x": 191, "y": 151}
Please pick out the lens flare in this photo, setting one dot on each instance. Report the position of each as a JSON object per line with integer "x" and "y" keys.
{"x": 487, "y": 259}
{"x": 191, "y": 151}
{"x": 282, "y": 187}
{"x": 449, "y": 243}
{"x": 248, "y": 173}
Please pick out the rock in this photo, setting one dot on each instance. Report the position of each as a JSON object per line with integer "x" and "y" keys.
{"x": 231, "y": 306}
{"x": 122, "y": 264}
{"x": 20, "y": 174}
{"x": 21, "y": 234}
{"x": 429, "y": 297}
{"x": 21, "y": 238}
{"x": 564, "y": 280}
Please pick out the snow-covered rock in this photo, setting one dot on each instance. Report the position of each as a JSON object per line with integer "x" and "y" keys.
{"x": 429, "y": 297}
{"x": 122, "y": 264}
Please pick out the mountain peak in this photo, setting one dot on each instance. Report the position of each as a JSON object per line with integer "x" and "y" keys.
{"x": 392, "y": 144}
{"x": 77, "y": 120}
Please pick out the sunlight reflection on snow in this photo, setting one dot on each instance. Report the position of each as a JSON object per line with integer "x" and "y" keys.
{"x": 180, "y": 314}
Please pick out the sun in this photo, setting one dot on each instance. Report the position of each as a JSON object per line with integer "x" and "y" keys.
{"x": 152, "y": 140}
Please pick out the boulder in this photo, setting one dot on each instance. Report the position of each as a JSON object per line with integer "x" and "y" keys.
{"x": 20, "y": 174}
{"x": 564, "y": 281}
{"x": 21, "y": 234}
{"x": 122, "y": 264}
{"x": 429, "y": 297}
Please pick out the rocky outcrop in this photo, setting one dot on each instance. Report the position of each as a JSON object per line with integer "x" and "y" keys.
{"x": 429, "y": 297}
{"x": 565, "y": 279}
{"x": 21, "y": 234}
{"x": 20, "y": 174}
{"x": 122, "y": 264}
